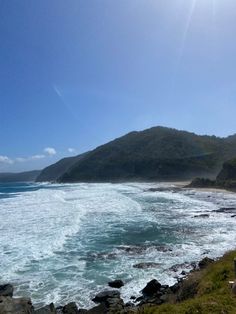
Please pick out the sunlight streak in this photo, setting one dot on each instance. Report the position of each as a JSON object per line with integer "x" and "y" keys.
{"x": 213, "y": 9}
{"x": 183, "y": 43}
{"x": 58, "y": 91}
{"x": 187, "y": 27}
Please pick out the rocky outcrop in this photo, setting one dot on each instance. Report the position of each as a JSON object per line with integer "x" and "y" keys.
{"x": 6, "y": 290}
{"x": 205, "y": 262}
{"x": 110, "y": 301}
{"x": 116, "y": 284}
{"x": 146, "y": 265}
{"x": 202, "y": 216}
{"x": 10, "y": 305}
{"x": 151, "y": 288}
{"x": 70, "y": 308}
{"x": 226, "y": 179}
{"x": 99, "y": 309}
{"x": 48, "y": 309}
{"x": 105, "y": 295}
{"x": 202, "y": 183}
{"x": 228, "y": 172}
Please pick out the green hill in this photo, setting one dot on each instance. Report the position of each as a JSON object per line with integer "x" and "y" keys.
{"x": 158, "y": 153}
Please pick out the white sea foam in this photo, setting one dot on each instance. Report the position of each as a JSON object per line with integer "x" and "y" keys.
{"x": 64, "y": 242}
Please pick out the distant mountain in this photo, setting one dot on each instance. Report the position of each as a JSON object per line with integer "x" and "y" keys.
{"x": 53, "y": 172}
{"x": 158, "y": 153}
{"x": 28, "y": 176}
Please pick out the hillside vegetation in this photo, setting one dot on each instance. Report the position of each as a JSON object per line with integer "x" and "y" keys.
{"x": 155, "y": 154}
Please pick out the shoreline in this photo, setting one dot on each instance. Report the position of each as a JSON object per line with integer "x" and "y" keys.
{"x": 156, "y": 298}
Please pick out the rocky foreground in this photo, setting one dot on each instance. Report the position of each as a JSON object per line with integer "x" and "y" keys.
{"x": 109, "y": 301}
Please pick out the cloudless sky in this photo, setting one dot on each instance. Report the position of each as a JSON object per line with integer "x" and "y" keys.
{"x": 75, "y": 74}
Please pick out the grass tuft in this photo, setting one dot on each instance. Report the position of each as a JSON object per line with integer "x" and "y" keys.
{"x": 212, "y": 291}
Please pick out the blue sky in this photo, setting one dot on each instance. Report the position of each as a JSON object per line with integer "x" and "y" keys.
{"x": 76, "y": 74}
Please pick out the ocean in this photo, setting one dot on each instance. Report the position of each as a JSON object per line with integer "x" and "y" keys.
{"x": 64, "y": 242}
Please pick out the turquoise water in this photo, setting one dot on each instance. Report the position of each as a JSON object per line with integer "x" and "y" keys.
{"x": 62, "y": 243}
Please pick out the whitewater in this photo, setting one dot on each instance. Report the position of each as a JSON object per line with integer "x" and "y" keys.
{"x": 63, "y": 242}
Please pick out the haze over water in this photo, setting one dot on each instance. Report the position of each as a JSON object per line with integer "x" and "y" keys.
{"x": 63, "y": 243}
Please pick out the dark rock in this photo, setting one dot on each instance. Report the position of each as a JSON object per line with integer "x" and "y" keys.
{"x": 116, "y": 284}
{"x": 48, "y": 309}
{"x": 165, "y": 290}
{"x": 230, "y": 210}
{"x": 177, "y": 267}
{"x": 139, "y": 299}
{"x": 10, "y": 305}
{"x": 83, "y": 311}
{"x": 165, "y": 287}
{"x": 187, "y": 289}
{"x": 103, "y": 296}
{"x": 132, "y": 297}
{"x": 165, "y": 189}
{"x": 100, "y": 309}
{"x": 6, "y": 290}
{"x": 205, "y": 262}
{"x": 154, "y": 300}
{"x": 146, "y": 265}
{"x": 202, "y": 216}
{"x": 164, "y": 298}
{"x": 101, "y": 256}
{"x": 140, "y": 249}
{"x": 151, "y": 288}
{"x": 233, "y": 216}
{"x": 129, "y": 304}
{"x": 59, "y": 309}
{"x": 183, "y": 273}
{"x": 70, "y": 308}
{"x": 201, "y": 183}
{"x": 175, "y": 287}
{"x": 114, "y": 304}
{"x": 193, "y": 265}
